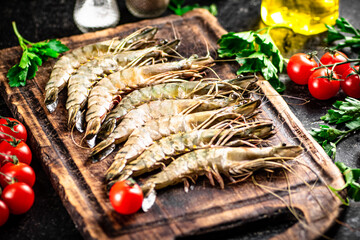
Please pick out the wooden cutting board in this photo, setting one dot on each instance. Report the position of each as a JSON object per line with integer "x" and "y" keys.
{"x": 175, "y": 213}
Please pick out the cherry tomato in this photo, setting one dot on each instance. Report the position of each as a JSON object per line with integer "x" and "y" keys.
{"x": 18, "y": 148}
{"x": 13, "y": 128}
{"x": 329, "y": 58}
{"x": 4, "y": 213}
{"x": 299, "y": 68}
{"x": 21, "y": 172}
{"x": 323, "y": 88}
{"x": 351, "y": 84}
{"x": 126, "y": 197}
{"x": 19, "y": 197}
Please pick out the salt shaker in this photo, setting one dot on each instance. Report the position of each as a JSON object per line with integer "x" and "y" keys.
{"x": 147, "y": 8}
{"x": 93, "y": 15}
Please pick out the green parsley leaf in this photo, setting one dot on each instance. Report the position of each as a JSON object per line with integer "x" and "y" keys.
{"x": 336, "y": 33}
{"x": 32, "y": 69}
{"x": 254, "y": 52}
{"x": 34, "y": 54}
{"x": 17, "y": 76}
{"x": 232, "y": 44}
{"x": 347, "y": 112}
{"x": 178, "y": 9}
{"x": 57, "y": 46}
{"x": 351, "y": 176}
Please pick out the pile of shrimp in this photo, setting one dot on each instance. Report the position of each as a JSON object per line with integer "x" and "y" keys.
{"x": 163, "y": 116}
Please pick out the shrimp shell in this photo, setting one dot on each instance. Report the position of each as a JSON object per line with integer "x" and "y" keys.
{"x": 162, "y": 150}
{"x": 153, "y": 130}
{"x": 230, "y": 161}
{"x": 68, "y": 63}
{"x": 81, "y": 83}
{"x": 152, "y": 110}
{"x": 170, "y": 91}
{"x": 103, "y": 95}
{"x": 136, "y": 77}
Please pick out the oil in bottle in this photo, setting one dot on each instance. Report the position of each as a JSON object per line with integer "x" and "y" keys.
{"x": 302, "y": 16}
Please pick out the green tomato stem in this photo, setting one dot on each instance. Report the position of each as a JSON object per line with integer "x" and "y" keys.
{"x": 12, "y": 138}
{"x": 20, "y": 38}
{"x": 13, "y": 180}
{"x": 14, "y": 158}
{"x": 336, "y": 64}
{"x": 345, "y": 134}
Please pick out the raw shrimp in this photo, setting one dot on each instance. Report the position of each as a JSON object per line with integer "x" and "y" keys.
{"x": 153, "y": 130}
{"x": 233, "y": 162}
{"x": 162, "y": 150}
{"x": 169, "y": 91}
{"x": 68, "y": 63}
{"x": 108, "y": 89}
{"x": 79, "y": 84}
{"x": 152, "y": 110}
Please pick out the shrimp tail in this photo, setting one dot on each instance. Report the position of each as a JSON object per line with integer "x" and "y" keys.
{"x": 125, "y": 174}
{"x": 115, "y": 169}
{"x": 93, "y": 127}
{"x": 102, "y": 150}
{"x": 51, "y": 99}
{"x": 76, "y": 117}
{"x": 107, "y": 128}
{"x": 149, "y": 196}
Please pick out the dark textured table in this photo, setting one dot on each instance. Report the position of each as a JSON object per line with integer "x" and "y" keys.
{"x": 39, "y": 20}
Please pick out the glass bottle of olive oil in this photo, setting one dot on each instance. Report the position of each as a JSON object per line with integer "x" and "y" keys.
{"x": 302, "y": 16}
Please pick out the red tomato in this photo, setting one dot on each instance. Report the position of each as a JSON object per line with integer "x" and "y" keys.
{"x": 329, "y": 58}
{"x": 21, "y": 172}
{"x": 299, "y": 68}
{"x": 351, "y": 84}
{"x": 126, "y": 197}
{"x": 19, "y": 197}
{"x": 323, "y": 88}
{"x": 4, "y": 213}
{"x": 18, "y": 148}
{"x": 13, "y": 128}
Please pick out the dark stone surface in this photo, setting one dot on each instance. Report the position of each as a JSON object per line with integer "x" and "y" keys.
{"x": 48, "y": 219}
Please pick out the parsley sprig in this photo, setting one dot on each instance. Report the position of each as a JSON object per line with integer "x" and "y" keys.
{"x": 177, "y": 7}
{"x": 34, "y": 54}
{"x": 351, "y": 176}
{"x": 346, "y": 113}
{"x": 347, "y": 33}
{"x": 255, "y": 52}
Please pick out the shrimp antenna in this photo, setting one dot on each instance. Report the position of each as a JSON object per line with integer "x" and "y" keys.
{"x": 111, "y": 45}
{"x": 174, "y": 30}
{"x": 73, "y": 139}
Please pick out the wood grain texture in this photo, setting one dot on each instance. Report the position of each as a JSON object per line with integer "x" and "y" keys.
{"x": 175, "y": 213}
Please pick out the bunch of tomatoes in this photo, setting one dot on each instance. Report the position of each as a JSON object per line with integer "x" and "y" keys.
{"x": 16, "y": 176}
{"x": 324, "y": 82}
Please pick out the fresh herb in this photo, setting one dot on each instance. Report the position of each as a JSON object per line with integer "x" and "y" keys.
{"x": 346, "y": 113}
{"x": 177, "y": 7}
{"x": 34, "y": 54}
{"x": 351, "y": 176}
{"x": 255, "y": 52}
{"x": 343, "y": 30}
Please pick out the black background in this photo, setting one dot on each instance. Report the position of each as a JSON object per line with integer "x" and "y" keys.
{"x": 39, "y": 20}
